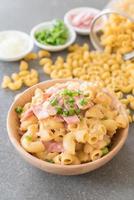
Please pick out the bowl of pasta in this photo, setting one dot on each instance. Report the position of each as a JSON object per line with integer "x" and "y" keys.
{"x": 67, "y": 127}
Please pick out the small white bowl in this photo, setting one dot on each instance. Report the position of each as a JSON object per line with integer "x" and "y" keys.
{"x": 44, "y": 25}
{"x": 77, "y": 10}
{"x": 13, "y": 34}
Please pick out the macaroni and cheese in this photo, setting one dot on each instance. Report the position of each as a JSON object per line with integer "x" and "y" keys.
{"x": 70, "y": 123}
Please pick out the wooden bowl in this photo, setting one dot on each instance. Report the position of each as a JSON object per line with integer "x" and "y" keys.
{"x": 13, "y": 125}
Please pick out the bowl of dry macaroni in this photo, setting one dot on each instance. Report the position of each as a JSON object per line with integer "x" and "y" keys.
{"x": 67, "y": 127}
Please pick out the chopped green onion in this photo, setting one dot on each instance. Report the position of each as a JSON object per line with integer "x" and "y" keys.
{"x": 83, "y": 102}
{"x": 55, "y": 35}
{"x": 19, "y": 109}
{"x": 76, "y": 93}
{"x": 59, "y": 110}
{"x": 28, "y": 137}
{"x": 66, "y": 92}
{"x": 104, "y": 151}
{"x": 71, "y": 111}
{"x": 54, "y": 102}
{"x": 70, "y": 93}
{"x": 71, "y": 100}
{"x": 50, "y": 160}
{"x": 65, "y": 113}
{"x": 79, "y": 92}
{"x": 77, "y": 111}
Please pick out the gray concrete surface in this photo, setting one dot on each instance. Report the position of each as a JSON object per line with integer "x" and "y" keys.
{"x": 19, "y": 180}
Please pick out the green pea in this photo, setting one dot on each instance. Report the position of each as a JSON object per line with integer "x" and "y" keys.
{"x": 19, "y": 110}
{"x": 28, "y": 137}
{"x": 104, "y": 151}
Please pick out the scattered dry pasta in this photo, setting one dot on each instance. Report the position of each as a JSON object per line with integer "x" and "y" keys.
{"x": 75, "y": 124}
{"x": 31, "y": 56}
{"x": 44, "y": 53}
{"x": 23, "y": 77}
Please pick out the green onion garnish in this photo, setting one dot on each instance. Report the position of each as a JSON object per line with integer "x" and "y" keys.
{"x": 79, "y": 92}
{"x": 83, "y": 102}
{"x": 49, "y": 160}
{"x": 71, "y": 100}
{"x": 54, "y": 102}
{"x": 70, "y": 93}
{"x": 104, "y": 151}
{"x": 19, "y": 109}
{"x": 59, "y": 110}
{"x": 65, "y": 113}
{"x": 67, "y": 92}
{"x": 71, "y": 111}
{"x": 77, "y": 111}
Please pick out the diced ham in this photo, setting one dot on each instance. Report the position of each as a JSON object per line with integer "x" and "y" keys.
{"x": 40, "y": 112}
{"x": 67, "y": 106}
{"x": 48, "y": 108}
{"x": 51, "y": 90}
{"x": 21, "y": 132}
{"x": 54, "y": 89}
{"x": 82, "y": 19}
{"x": 53, "y": 146}
{"x": 84, "y": 26}
{"x": 51, "y": 110}
{"x": 28, "y": 113}
{"x": 46, "y": 96}
{"x": 44, "y": 110}
{"x": 72, "y": 119}
{"x": 58, "y": 118}
{"x": 78, "y": 19}
{"x": 72, "y": 16}
{"x": 87, "y": 17}
{"x": 61, "y": 102}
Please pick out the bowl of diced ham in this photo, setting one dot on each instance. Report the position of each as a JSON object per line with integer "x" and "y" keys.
{"x": 81, "y": 18}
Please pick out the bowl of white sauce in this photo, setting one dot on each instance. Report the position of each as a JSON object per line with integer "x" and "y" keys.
{"x": 14, "y": 45}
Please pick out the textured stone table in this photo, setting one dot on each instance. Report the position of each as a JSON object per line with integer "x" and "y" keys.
{"x": 18, "y": 179}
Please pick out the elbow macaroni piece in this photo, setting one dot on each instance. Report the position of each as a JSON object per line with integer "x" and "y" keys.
{"x": 96, "y": 154}
{"x": 69, "y": 144}
{"x": 31, "y": 146}
{"x": 31, "y": 56}
{"x": 66, "y": 159}
{"x": 43, "y": 53}
{"x": 81, "y": 135}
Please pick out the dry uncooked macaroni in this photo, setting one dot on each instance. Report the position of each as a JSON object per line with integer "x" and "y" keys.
{"x": 118, "y": 35}
{"x": 70, "y": 123}
{"x": 23, "y": 77}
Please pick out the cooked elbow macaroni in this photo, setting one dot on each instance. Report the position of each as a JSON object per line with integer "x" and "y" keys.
{"x": 56, "y": 126}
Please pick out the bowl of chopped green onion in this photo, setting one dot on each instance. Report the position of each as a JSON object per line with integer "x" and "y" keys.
{"x": 53, "y": 35}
